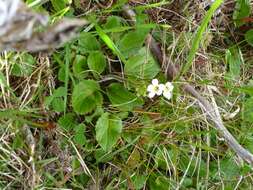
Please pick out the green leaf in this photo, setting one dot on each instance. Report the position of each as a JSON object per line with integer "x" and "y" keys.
{"x": 138, "y": 181}
{"x": 229, "y": 169}
{"x": 24, "y": 65}
{"x": 58, "y": 104}
{"x": 247, "y": 89}
{"x": 86, "y": 96}
{"x": 67, "y": 121}
{"x": 248, "y": 139}
{"x": 110, "y": 44}
{"x": 114, "y": 27}
{"x": 61, "y": 74}
{"x": 160, "y": 159}
{"x": 48, "y": 101}
{"x": 234, "y": 60}
{"x": 18, "y": 142}
{"x": 242, "y": 10}
{"x": 102, "y": 156}
{"x": 80, "y": 65}
{"x": 142, "y": 65}
{"x": 59, "y": 4}
{"x": 184, "y": 164}
{"x": 2, "y": 79}
{"x": 79, "y": 136}
{"x": 88, "y": 43}
{"x": 112, "y": 22}
{"x": 158, "y": 182}
{"x": 247, "y": 113}
{"x": 132, "y": 41}
{"x": 121, "y": 98}
{"x": 108, "y": 131}
{"x": 97, "y": 113}
{"x": 56, "y": 100}
{"x": 249, "y": 37}
{"x": 59, "y": 92}
{"x": 97, "y": 62}
{"x": 141, "y": 17}
{"x": 84, "y": 106}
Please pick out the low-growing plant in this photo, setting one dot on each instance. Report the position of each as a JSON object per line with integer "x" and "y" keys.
{"x": 99, "y": 113}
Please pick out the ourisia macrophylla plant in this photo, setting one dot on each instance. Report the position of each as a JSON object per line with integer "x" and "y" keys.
{"x": 160, "y": 89}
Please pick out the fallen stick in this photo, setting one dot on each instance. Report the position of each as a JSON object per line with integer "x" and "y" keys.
{"x": 210, "y": 110}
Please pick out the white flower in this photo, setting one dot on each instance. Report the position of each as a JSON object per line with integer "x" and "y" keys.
{"x": 155, "y": 88}
{"x": 167, "y": 91}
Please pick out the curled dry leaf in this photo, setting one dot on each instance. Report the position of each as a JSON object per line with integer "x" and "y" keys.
{"x": 19, "y": 24}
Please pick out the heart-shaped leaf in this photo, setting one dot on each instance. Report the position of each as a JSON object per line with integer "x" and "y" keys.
{"x": 142, "y": 65}
{"x": 97, "y": 62}
{"x": 87, "y": 43}
{"x": 108, "y": 130}
{"x": 86, "y": 96}
{"x": 121, "y": 98}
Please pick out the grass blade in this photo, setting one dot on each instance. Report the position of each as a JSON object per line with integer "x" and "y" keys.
{"x": 66, "y": 81}
{"x": 107, "y": 40}
{"x": 197, "y": 38}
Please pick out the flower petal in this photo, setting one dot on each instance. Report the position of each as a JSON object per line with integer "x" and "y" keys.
{"x": 151, "y": 94}
{"x": 161, "y": 86}
{"x": 155, "y": 82}
{"x": 160, "y": 90}
{"x": 169, "y": 86}
{"x": 167, "y": 95}
{"x": 150, "y": 88}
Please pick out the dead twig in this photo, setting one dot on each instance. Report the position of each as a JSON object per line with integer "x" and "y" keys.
{"x": 32, "y": 145}
{"x": 210, "y": 110}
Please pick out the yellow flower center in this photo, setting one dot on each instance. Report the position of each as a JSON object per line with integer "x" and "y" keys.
{"x": 156, "y": 88}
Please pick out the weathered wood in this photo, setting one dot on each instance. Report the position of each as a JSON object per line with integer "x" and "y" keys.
{"x": 18, "y": 25}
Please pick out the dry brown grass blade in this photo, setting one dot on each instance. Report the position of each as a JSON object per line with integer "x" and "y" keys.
{"x": 210, "y": 110}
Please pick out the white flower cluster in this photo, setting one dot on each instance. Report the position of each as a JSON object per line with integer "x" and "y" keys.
{"x": 160, "y": 89}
